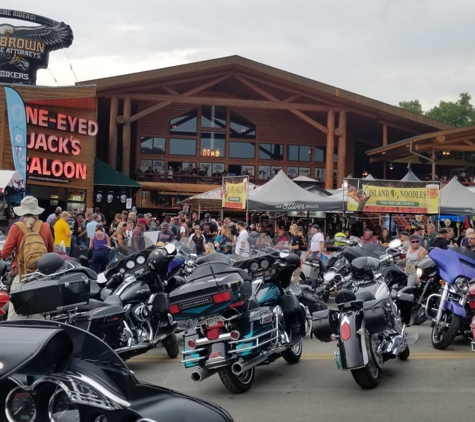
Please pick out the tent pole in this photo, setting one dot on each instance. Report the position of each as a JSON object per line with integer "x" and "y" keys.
{"x": 308, "y": 223}
{"x": 390, "y": 224}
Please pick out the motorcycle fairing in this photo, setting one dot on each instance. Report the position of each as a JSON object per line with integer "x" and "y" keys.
{"x": 453, "y": 263}
{"x": 456, "y": 308}
{"x": 32, "y": 350}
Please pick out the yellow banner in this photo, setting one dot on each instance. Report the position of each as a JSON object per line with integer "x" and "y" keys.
{"x": 387, "y": 197}
{"x": 234, "y": 195}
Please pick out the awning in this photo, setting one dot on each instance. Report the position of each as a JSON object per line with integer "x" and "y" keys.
{"x": 10, "y": 178}
{"x": 105, "y": 175}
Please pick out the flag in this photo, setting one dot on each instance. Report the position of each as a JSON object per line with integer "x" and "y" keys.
{"x": 18, "y": 132}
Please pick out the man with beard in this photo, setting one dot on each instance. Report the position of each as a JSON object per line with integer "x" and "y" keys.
{"x": 209, "y": 229}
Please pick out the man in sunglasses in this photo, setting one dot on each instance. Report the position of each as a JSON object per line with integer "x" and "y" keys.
{"x": 414, "y": 255}
{"x": 166, "y": 235}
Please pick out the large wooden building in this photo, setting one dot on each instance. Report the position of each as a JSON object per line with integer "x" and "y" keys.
{"x": 177, "y": 130}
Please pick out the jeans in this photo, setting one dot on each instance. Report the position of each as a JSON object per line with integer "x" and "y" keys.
{"x": 100, "y": 259}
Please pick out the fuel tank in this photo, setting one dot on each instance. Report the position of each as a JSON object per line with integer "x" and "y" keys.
{"x": 133, "y": 292}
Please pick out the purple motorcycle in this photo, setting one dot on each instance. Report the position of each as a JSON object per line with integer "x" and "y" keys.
{"x": 448, "y": 310}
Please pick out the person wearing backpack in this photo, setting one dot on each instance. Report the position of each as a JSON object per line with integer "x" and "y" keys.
{"x": 29, "y": 239}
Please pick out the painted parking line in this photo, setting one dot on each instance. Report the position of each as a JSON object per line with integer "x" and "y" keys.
{"x": 414, "y": 356}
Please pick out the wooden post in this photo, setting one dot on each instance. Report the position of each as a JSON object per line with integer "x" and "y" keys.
{"x": 330, "y": 150}
{"x": 341, "y": 149}
{"x": 433, "y": 163}
{"x": 126, "y": 137}
{"x": 112, "y": 157}
{"x": 385, "y": 142}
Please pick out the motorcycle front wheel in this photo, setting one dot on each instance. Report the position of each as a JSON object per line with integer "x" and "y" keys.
{"x": 419, "y": 315}
{"x": 369, "y": 376}
{"x": 444, "y": 333}
{"x": 237, "y": 384}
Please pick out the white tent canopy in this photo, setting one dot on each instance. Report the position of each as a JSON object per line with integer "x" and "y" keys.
{"x": 10, "y": 178}
{"x": 456, "y": 199}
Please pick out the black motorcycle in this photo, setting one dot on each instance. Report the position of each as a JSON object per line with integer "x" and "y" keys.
{"x": 369, "y": 324}
{"x": 129, "y": 310}
{"x": 55, "y": 372}
{"x": 234, "y": 332}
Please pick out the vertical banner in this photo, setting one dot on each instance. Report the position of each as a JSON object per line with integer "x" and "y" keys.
{"x": 234, "y": 192}
{"x": 18, "y": 131}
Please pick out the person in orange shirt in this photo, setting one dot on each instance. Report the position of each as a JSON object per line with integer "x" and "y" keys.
{"x": 62, "y": 232}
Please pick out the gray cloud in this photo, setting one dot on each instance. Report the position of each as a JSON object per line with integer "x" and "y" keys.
{"x": 384, "y": 49}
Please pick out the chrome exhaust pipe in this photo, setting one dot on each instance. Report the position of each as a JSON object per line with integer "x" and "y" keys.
{"x": 397, "y": 345}
{"x": 202, "y": 374}
{"x": 240, "y": 366}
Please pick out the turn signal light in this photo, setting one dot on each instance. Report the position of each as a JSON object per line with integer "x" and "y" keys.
{"x": 235, "y": 335}
{"x": 345, "y": 331}
{"x": 174, "y": 309}
{"x": 222, "y": 297}
{"x": 191, "y": 344}
{"x": 442, "y": 282}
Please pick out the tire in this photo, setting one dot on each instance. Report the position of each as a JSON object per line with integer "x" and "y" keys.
{"x": 237, "y": 384}
{"x": 171, "y": 346}
{"x": 420, "y": 316}
{"x": 294, "y": 354}
{"x": 404, "y": 355}
{"x": 369, "y": 376}
{"x": 442, "y": 338}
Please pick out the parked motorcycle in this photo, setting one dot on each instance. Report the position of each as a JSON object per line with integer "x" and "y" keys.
{"x": 239, "y": 325}
{"x": 471, "y": 302}
{"x": 60, "y": 373}
{"x": 448, "y": 310}
{"x": 369, "y": 324}
{"x": 132, "y": 313}
{"x": 4, "y": 289}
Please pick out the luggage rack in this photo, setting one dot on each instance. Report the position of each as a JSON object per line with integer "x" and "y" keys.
{"x": 240, "y": 345}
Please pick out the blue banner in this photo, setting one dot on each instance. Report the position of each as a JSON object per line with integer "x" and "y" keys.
{"x": 18, "y": 131}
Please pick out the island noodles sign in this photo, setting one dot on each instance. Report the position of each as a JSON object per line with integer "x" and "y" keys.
{"x": 234, "y": 193}
{"x": 25, "y": 49}
{"x": 388, "y": 196}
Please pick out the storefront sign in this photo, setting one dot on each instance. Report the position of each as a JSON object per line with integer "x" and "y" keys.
{"x": 25, "y": 49}
{"x": 64, "y": 141}
{"x": 234, "y": 195}
{"x": 386, "y": 196}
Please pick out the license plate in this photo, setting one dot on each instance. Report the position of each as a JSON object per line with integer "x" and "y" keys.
{"x": 214, "y": 321}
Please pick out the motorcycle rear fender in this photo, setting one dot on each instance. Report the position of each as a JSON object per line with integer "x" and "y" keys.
{"x": 352, "y": 351}
{"x": 456, "y": 308}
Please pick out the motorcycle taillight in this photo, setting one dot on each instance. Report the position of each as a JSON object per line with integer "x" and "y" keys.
{"x": 345, "y": 331}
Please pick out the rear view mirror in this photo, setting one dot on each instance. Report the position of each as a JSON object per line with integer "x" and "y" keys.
{"x": 170, "y": 248}
{"x": 329, "y": 276}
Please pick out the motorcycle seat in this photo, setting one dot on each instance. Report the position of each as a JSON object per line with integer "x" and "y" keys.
{"x": 95, "y": 290}
{"x": 364, "y": 295}
{"x": 93, "y": 304}
{"x": 114, "y": 300}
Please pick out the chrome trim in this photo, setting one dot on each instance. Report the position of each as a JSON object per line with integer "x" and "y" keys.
{"x": 128, "y": 281}
{"x": 51, "y": 402}
{"x": 10, "y": 417}
{"x": 473, "y": 346}
{"x": 194, "y": 359}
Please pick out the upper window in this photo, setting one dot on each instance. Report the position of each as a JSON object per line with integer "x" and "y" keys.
{"x": 213, "y": 116}
{"x": 149, "y": 145}
{"x": 213, "y": 144}
{"x": 271, "y": 152}
{"x": 242, "y": 150}
{"x": 182, "y": 146}
{"x": 241, "y": 128}
{"x": 186, "y": 124}
{"x": 299, "y": 152}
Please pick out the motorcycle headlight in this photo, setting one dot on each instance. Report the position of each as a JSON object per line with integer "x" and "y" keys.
{"x": 461, "y": 283}
{"x": 419, "y": 272}
{"x": 189, "y": 270}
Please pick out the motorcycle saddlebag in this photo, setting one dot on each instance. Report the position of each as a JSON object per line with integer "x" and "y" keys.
{"x": 377, "y": 315}
{"x": 324, "y": 324}
{"x": 289, "y": 303}
{"x": 105, "y": 323}
{"x": 405, "y": 303}
{"x": 51, "y": 295}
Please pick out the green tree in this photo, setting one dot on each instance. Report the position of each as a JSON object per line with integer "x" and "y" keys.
{"x": 414, "y": 106}
{"x": 459, "y": 113}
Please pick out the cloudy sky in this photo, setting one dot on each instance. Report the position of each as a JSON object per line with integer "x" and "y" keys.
{"x": 390, "y": 50}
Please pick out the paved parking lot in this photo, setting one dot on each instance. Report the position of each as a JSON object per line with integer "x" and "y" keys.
{"x": 430, "y": 386}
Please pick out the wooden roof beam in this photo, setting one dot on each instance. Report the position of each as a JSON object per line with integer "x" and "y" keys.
{"x": 462, "y": 148}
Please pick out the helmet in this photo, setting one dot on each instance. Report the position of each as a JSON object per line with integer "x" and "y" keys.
{"x": 51, "y": 263}
{"x": 340, "y": 234}
{"x": 157, "y": 258}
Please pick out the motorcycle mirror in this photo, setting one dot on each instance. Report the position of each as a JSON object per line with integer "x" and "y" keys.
{"x": 395, "y": 243}
{"x": 284, "y": 254}
{"x": 354, "y": 239}
{"x": 170, "y": 248}
{"x": 193, "y": 256}
{"x": 329, "y": 276}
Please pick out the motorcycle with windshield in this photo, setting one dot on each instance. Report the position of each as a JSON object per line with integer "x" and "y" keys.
{"x": 126, "y": 306}
{"x": 370, "y": 322}
{"x": 60, "y": 373}
{"x": 448, "y": 309}
{"x": 246, "y": 316}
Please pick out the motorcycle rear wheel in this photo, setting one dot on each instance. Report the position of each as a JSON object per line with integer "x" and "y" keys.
{"x": 294, "y": 354}
{"x": 237, "y": 384}
{"x": 171, "y": 346}
{"x": 442, "y": 337}
{"x": 369, "y": 376}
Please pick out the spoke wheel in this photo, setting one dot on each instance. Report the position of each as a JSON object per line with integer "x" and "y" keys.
{"x": 444, "y": 333}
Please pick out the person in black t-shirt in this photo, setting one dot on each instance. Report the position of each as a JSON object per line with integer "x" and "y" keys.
{"x": 199, "y": 240}
{"x": 295, "y": 245}
{"x": 209, "y": 229}
{"x": 441, "y": 240}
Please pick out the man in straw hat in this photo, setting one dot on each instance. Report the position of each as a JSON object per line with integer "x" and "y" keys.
{"x": 28, "y": 211}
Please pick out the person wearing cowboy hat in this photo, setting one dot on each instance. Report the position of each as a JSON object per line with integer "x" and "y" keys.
{"x": 28, "y": 211}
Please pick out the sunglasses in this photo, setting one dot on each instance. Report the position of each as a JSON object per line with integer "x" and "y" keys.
{"x": 414, "y": 241}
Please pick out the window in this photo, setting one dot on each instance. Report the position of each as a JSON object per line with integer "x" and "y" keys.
{"x": 242, "y": 150}
{"x": 298, "y": 152}
{"x": 320, "y": 155}
{"x": 241, "y": 128}
{"x": 213, "y": 116}
{"x": 213, "y": 144}
{"x": 182, "y": 146}
{"x": 185, "y": 124}
{"x": 271, "y": 152}
{"x": 150, "y": 145}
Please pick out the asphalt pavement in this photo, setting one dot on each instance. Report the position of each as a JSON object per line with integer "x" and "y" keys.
{"x": 432, "y": 386}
